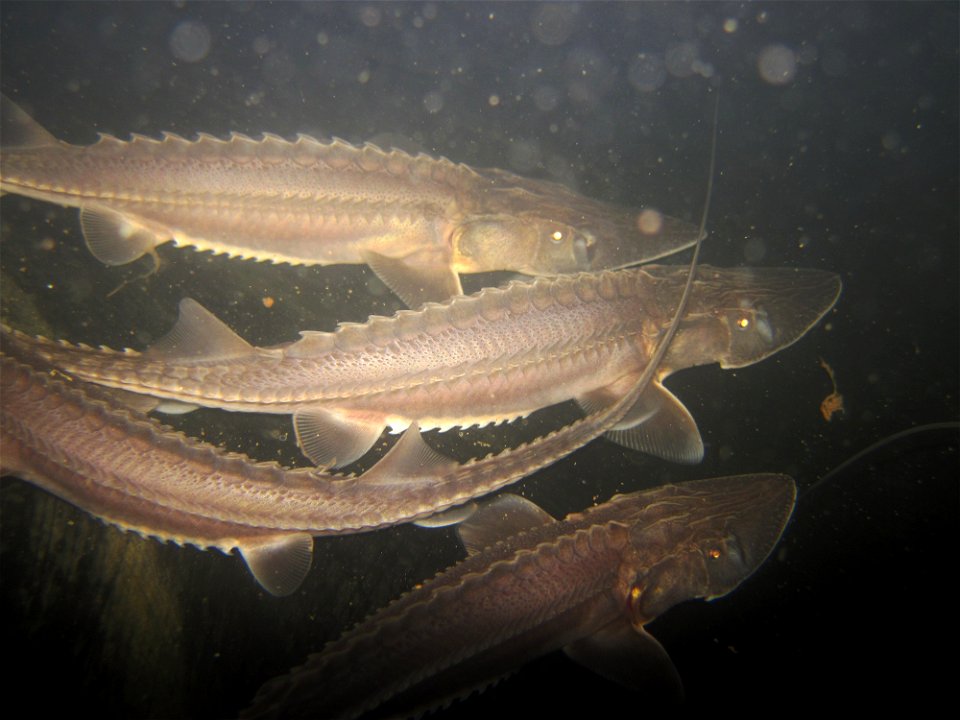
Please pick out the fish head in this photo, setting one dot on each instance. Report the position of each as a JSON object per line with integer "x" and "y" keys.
{"x": 544, "y": 228}
{"x": 740, "y": 316}
{"x": 702, "y": 539}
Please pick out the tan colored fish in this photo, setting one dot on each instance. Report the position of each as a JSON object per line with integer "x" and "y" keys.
{"x": 417, "y": 221}
{"x": 86, "y": 445}
{"x": 587, "y": 584}
{"x": 491, "y": 357}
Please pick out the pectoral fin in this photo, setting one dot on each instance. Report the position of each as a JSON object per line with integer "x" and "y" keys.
{"x": 331, "y": 440}
{"x": 281, "y": 564}
{"x": 658, "y": 423}
{"x": 631, "y": 657}
{"x": 417, "y": 278}
{"x": 504, "y": 516}
{"x": 115, "y": 239}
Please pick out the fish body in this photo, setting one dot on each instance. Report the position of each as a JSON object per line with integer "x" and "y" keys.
{"x": 417, "y": 221}
{"x": 88, "y": 447}
{"x": 588, "y": 583}
{"x": 487, "y": 358}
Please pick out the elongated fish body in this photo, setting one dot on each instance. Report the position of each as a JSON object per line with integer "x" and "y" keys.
{"x": 531, "y": 584}
{"x": 79, "y": 442}
{"x": 487, "y": 358}
{"x": 416, "y": 220}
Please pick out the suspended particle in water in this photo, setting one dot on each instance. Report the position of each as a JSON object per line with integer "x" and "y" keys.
{"x": 649, "y": 222}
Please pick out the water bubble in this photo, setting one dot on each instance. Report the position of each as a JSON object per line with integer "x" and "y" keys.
{"x": 646, "y": 72}
{"x": 190, "y": 41}
{"x": 552, "y": 24}
{"x": 777, "y": 64}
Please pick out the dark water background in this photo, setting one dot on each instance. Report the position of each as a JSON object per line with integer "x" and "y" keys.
{"x": 837, "y": 150}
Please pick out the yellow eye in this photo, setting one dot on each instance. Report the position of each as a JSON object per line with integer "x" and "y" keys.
{"x": 714, "y": 553}
{"x": 556, "y": 236}
{"x": 743, "y": 323}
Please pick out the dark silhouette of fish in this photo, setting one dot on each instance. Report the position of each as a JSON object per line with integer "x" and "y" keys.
{"x": 417, "y": 221}
{"x": 587, "y": 584}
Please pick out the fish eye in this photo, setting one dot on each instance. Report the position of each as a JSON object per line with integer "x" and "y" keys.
{"x": 557, "y": 236}
{"x": 743, "y": 322}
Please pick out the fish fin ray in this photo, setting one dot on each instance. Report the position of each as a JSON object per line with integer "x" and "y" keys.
{"x": 19, "y": 130}
{"x": 115, "y": 239}
{"x": 660, "y": 425}
{"x": 411, "y": 459}
{"x": 331, "y": 440}
{"x": 417, "y": 279}
{"x": 504, "y": 516}
{"x": 453, "y": 516}
{"x": 280, "y": 565}
{"x": 199, "y": 335}
{"x": 629, "y": 656}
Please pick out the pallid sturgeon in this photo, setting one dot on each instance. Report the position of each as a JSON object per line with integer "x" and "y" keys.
{"x": 417, "y": 221}
{"x": 487, "y": 358}
{"x": 86, "y": 445}
{"x": 532, "y": 584}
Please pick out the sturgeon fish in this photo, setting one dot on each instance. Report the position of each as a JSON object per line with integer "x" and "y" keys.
{"x": 417, "y": 221}
{"x": 487, "y": 358}
{"x": 531, "y": 584}
{"x": 90, "y": 448}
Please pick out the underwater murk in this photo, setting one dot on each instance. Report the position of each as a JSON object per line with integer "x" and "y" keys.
{"x": 836, "y": 150}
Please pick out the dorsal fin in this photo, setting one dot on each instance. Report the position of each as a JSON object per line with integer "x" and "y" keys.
{"x": 411, "y": 459}
{"x": 200, "y": 336}
{"x": 280, "y": 564}
{"x": 19, "y": 130}
{"x": 504, "y": 516}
